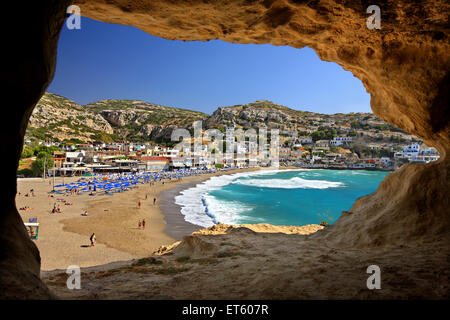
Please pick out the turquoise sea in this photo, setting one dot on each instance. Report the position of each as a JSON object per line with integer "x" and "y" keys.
{"x": 279, "y": 197}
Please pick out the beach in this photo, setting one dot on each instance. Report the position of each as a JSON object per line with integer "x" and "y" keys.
{"x": 64, "y": 237}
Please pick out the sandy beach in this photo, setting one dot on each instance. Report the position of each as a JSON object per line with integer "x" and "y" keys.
{"x": 64, "y": 237}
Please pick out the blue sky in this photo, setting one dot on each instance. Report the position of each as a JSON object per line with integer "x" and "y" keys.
{"x": 107, "y": 61}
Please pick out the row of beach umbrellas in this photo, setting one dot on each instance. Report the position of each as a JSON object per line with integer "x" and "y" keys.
{"x": 123, "y": 181}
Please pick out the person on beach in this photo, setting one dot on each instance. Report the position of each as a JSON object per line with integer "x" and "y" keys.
{"x": 139, "y": 224}
{"x": 143, "y": 223}
{"x": 154, "y": 201}
{"x": 92, "y": 238}
{"x": 139, "y": 204}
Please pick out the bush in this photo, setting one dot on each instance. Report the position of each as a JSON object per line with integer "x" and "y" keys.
{"x": 37, "y": 166}
{"x": 25, "y": 172}
{"x": 27, "y": 152}
{"x": 324, "y": 224}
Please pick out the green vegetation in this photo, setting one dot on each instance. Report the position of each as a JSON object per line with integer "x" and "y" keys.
{"x": 25, "y": 172}
{"x": 397, "y": 139}
{"x": 27, "y": 152}
{"x": 358, "y": 125}
{"x": 334, "y": 149}
{"x": 30, "y": 151}
{"x": 103, "y": 137}
{"x": 43, "y": 160}
{"x": 137, "y": 114}
{"x": 324, "y": 133}
{"x": 73, "y": 141}
{"x": 373, "y": 153}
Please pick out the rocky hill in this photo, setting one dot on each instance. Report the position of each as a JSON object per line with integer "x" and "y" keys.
{"x": 142, "y": 121}
{"x": 266, "y": 114}
{"x": 56, "y": 117}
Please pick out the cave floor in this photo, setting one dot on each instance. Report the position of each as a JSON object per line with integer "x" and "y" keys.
{"x": 249, "y": 265}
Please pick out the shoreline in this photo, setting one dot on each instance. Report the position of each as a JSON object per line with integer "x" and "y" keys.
{"x": 177, "y": 227}
{"x": 64, "y": 237}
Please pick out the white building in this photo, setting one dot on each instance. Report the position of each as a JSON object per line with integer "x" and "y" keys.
{"x": 339, "y": 141}
{"x": 76, "y": 156}
{"x": 304, "y": 140}
{"x": 414, "y": 147}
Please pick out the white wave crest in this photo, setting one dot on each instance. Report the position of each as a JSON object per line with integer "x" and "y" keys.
{"x": 293, "y": 183}
{"x": 201, "y": 209}
{"x": 204, "y": 210}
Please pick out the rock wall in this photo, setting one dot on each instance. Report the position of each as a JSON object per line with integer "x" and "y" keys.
{"x": 28, "y": 68}
{"x": 404, "y": 66}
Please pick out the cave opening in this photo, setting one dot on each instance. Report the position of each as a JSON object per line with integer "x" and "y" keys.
{"x": 87, "y": 119}
{"x": 414, "y": 197}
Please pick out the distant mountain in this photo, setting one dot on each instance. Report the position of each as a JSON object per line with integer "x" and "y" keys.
{"x": 56, "y": 117}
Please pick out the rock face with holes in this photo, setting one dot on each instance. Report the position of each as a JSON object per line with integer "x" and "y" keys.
{"x": 404, "y": 66}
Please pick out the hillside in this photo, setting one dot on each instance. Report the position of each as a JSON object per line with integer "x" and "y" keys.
{"x": 56, "y": 117}
{"x": 59, "y": 118}
{"x": 141, "y": 121}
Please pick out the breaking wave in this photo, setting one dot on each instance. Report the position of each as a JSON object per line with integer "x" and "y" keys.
{"x": 293, "y": 183}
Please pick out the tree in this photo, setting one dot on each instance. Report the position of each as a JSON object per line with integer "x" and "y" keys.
{"x": 27, "y": 152}
{"x": 37, "y": 167}
{"x": 318, "y": 135}
{"x": 334, "y": 149}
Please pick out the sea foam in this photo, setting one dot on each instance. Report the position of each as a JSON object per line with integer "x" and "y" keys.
{"x": 204, "y": 210}
{"x": 200, "y": 208}
{"x": 293, "y": 183}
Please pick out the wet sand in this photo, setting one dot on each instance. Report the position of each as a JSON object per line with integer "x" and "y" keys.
{"x": 176, "y": 226}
